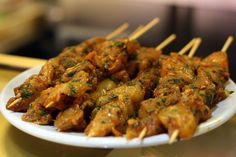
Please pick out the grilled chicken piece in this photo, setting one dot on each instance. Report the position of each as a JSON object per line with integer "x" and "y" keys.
{"x": 178, "y": 117}
{"x": 26, "y": 93}
{"x": 71, "y": 119}
{"x": 142, "y": 60}
{"x": 177, "y": 66}
{"x": 74, "y": 118}
{"x": 111, "y": 56}
{"x": 147, "y": 118}
{"x": 36, "y": 112}
{"x": 198, "y": 97}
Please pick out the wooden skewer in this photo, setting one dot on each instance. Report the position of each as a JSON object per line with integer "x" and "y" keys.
{"x": 187, "y": 47}
{"x": 136, "y": 30}
{"x": 195, "y": 47}
{"x": 173, "y": 136}
{"x": 19, "y": 61}
{"x": 14, "y": 102}
{"x": 227, "y": 43}
{"x": 117, "y": 31}
{"x": 145, "y": 29}
{"x": 142, "y": 133}
{"x": 49, "y": 104}
{"x": 166, "y": 42}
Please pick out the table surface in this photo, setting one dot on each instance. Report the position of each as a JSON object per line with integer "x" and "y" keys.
{"x": 15, "y": 143}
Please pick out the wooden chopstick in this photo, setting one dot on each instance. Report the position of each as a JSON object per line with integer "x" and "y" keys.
{"x": 19, "y": 61}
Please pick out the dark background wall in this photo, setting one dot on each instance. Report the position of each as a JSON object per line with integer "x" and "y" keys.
{"x": 84, "y": 19}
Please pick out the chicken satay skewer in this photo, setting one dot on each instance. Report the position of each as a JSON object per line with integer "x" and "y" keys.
{"x": 197, "y": 43}
{"x": 159, "y": 47}
{"x": 186, "y": 48}
{"x": 224, "y": 49}
{"x": 117, "y": 31}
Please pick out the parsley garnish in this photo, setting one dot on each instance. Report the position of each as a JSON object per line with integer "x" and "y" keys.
{"x": 150, "y": 110}
{"x": 119, "y": 44}
{"x": 73, "y": 90}
{"x": 42, "y": 112}
{"x": 71, "y": 74}
{"x": 231, "y": 92}
{"x": 25, "y": 93}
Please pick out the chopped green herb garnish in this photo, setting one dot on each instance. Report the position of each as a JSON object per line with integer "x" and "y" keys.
{"x": 163, "y": 100}
{"x": 25, "y": 93}
{"x": 89, "y": 84}
{"x": 71, "y": 74}
{"x": 113, "y": 97}
{"x": 231, "y": 92}
{"x": 113, "y": 78}
{"x": 192, "y": 86}
{"x": 119, "y": 44}
{"x": 158, "y": 129}
{"x": 68, "y": 63}
{"x": 42, "y": 112}
{"x": 73, "y": 90}
{"x": 126, "y": 99}
{"x": 202, "y": 93}
{"x": 150, "y": 110}
{"x": 72, "y": 49}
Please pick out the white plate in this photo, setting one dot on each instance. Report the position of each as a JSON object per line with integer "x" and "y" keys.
{"x": 224, "y": 110}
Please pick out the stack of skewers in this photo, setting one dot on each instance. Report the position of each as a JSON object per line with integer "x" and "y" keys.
{"x": 106, "y": 86}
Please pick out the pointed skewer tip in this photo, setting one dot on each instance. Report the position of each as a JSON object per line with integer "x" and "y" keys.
{"x": 166, "y": 42}
{"x": 227, "y": 43}
{"x": 142, "y": 133}
{"x": 173, "y": 136}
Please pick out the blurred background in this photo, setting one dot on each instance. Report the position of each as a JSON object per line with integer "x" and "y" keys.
{"x": 42, "y": 28}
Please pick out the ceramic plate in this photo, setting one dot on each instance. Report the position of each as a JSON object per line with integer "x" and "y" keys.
{"x": 223, "y": 112}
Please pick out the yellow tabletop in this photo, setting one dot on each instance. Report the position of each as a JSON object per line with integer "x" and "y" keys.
{"x": 220, "y": 142}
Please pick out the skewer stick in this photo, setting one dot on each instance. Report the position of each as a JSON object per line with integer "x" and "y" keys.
{"x": 117, "y": 31}
{"x": 195, "y": 47}
{"x": 14, "y": 102}
{"x": 166, "y": 42}
{"x": 136, "y": 30}
{"x": 173, "y": 136}
{"x": 145, "y": 29}
{"x": 227, "y": 43}
{"x": 142, "y": 133}
{"x": 49, "y": 104}
{"x": 187, "y": 47}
